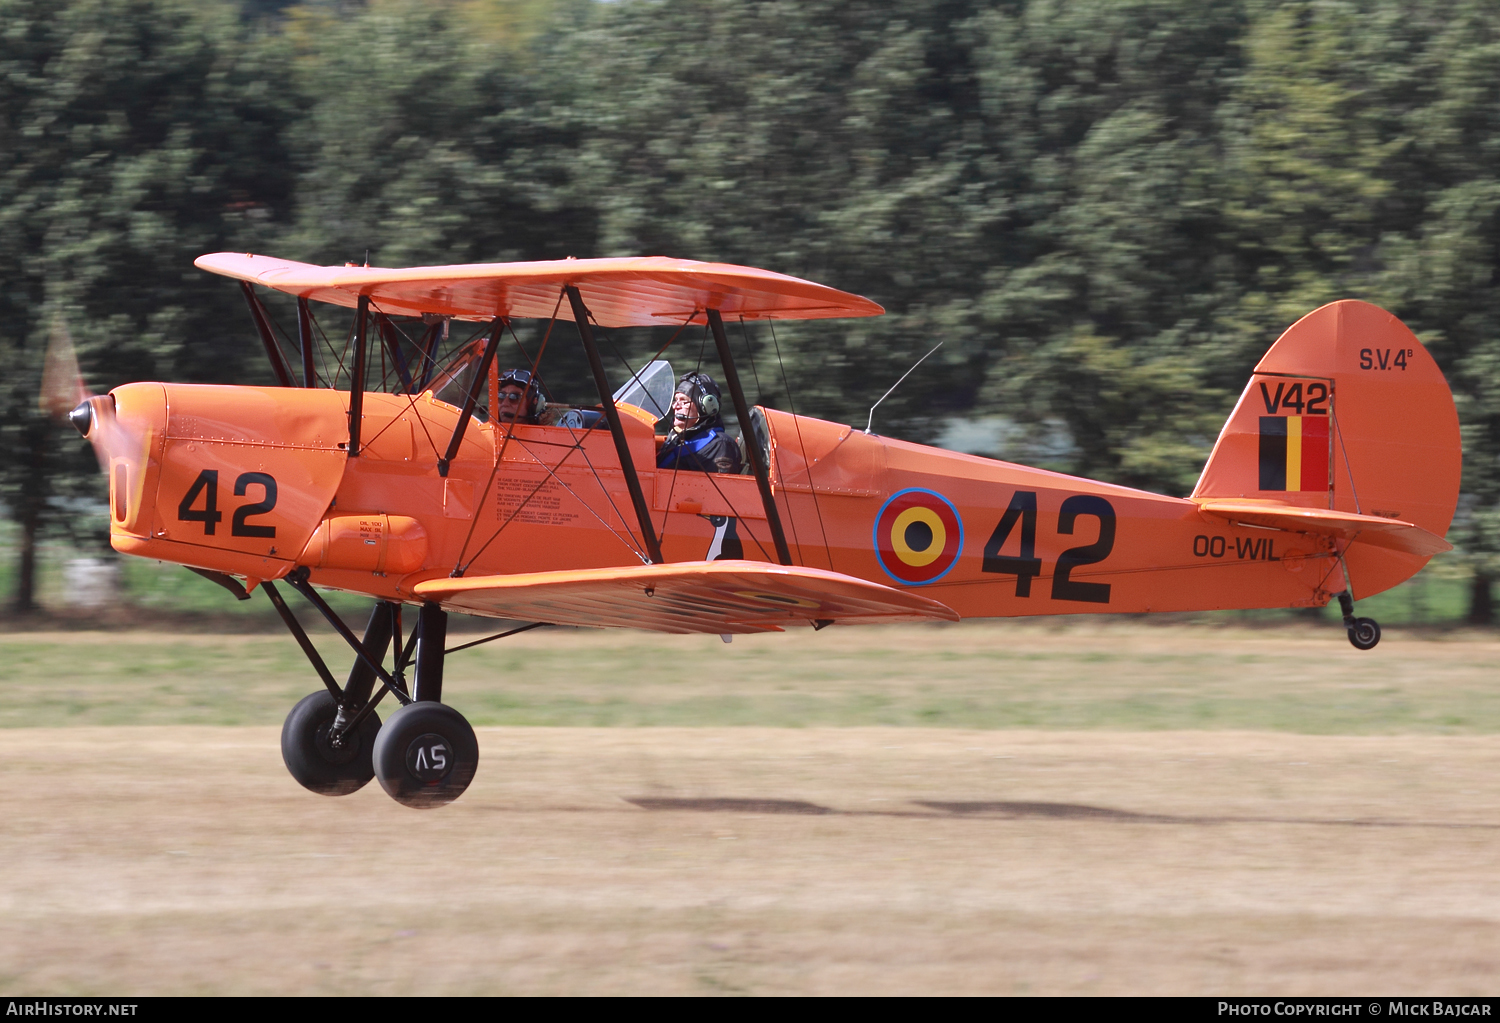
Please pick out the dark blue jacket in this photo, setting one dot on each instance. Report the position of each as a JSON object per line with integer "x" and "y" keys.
{"x": 704, "y": 448}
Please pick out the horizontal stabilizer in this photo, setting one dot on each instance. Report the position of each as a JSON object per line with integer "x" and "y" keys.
{"x": 1392, "y": 534}
{"x": 697, "y": 596}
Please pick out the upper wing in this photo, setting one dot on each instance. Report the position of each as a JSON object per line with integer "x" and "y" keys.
{"x": 636, "y": 292}
{"x": 696, "y": 596}
{"x": 1390, "y": 533}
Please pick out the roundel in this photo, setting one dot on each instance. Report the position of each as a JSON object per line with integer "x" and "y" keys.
{"x": 918, "y": 536}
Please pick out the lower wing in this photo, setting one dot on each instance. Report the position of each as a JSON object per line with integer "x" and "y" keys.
{"x": 698, "y": 596}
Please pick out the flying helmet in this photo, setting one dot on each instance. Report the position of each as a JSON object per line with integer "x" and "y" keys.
{"x": 702, "y": 392}
{"x": 532, "y": 401}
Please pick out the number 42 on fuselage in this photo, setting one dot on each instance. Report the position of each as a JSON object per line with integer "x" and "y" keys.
{"x": 1336, "y": 474}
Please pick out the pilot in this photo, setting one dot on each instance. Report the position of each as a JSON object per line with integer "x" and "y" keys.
{"x": 696, "y": 439}
{"x": 519, "y": 398}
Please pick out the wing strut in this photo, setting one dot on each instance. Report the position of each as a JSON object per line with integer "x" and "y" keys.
{"x": 612, "y": 414}
{"x": 305, "y": 339}
{"x": 357, "y": 375}
{"x": 392, "y": 339}
{"x": 429, "y": 356}
{"x": 263, "y": 327}
{"x": 752, "y": 448}
{"x": 481, "y": 374}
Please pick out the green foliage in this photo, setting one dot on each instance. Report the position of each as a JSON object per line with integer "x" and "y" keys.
{"x": 1105, "y": 117}
{"x": 451, "y": 153}
{"x": 825, "y": 139}
{"x": 134, "y": 135}
{"x": 1106, "y": 210}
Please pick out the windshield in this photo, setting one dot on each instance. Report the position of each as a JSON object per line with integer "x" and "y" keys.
{"x": 452, "y": 382}
{"x": 650, "y": 389}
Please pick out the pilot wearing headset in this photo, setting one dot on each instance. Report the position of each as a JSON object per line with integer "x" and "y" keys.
{"x": 520, "y": 400}
{"x": 696, "y": 439}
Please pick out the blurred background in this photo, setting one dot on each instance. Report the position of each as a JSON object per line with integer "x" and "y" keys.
{"x": 1106, "y": 210}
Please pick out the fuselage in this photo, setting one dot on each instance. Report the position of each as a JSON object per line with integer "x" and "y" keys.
{"x": 254, "y": 482}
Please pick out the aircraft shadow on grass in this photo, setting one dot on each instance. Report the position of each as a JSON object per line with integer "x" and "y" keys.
{"x": 1008, "y": 810}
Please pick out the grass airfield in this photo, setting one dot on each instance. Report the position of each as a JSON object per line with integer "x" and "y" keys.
{"x": 1091, "y": 807}
{"x": 1057, "y": 674}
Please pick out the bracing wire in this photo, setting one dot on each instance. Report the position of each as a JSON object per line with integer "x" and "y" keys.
{"x": 738, "y": 517}
{"x": 760, "y": 393}
{"x": 660, "y": 351}
{"x": 280, "y": 348}
{"x": 817, "y": 505}
{"x": 636, "y": 375}
{"x": 460, "y": 567}
{"x": 552, "y": 473}
{"x": 628, "y": 539}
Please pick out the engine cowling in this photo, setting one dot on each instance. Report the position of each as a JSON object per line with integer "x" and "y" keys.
{"x": 230, "y": 479}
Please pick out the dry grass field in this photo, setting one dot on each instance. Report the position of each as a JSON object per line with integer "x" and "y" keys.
{"x": 1171, "y": 810}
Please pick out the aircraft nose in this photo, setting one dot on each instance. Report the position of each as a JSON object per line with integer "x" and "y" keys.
{"x": 125, "y": 428}
{"x": 82, "y": 418}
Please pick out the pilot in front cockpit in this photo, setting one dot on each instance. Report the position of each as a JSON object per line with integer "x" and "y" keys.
{"x": 519, "y": 398}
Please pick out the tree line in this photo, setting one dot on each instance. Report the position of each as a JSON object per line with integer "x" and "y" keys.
{"x": 1106, "y": 209}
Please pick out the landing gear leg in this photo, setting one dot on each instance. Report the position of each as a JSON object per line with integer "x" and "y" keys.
{"x": 1364, "y": 633}
{"x": 361, "y": 681}
{"x": 318, "y": 747}
{"x": 426, "y": 753}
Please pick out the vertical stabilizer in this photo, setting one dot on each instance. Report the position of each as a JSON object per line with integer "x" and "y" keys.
{"x": 1346, "y": 411}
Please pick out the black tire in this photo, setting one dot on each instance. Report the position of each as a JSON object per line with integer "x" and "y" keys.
{"x": 1364, "y": 633}
{"x": 426, "y": 755}
{"x": 314, "y": 761}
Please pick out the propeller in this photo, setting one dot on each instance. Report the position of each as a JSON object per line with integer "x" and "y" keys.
{"x": 63, "y": 389}
{"x": 66, "y": 397}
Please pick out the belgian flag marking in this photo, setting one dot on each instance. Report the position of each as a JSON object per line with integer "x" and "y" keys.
{"x": 1294, "y": 453}
{"x": 918, "y": 536}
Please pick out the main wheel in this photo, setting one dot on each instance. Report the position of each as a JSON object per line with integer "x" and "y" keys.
{"x": 426, "y": 755}
{"x": 314, "y": 760}
{"x": 1364, "y": 633}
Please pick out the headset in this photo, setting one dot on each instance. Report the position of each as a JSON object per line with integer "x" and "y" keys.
{"x": 702, "y": 391}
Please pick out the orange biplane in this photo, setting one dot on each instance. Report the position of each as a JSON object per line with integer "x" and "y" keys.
{"x": 1337, "y": 474}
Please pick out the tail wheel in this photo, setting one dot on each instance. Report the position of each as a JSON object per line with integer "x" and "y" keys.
{"x": 426, "y": 755}
{"x": 315, "y": 760}
{"x": 1364, "y": 633}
